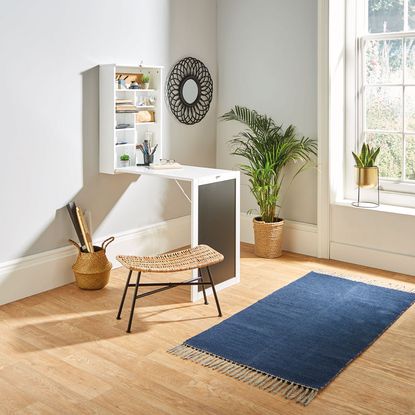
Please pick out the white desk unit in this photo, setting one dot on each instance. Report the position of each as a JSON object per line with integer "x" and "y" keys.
{"x": 214, "y": 215}
{"x": 214, "y": 193}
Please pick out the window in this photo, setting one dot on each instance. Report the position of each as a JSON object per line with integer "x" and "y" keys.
{"x": 386, "y": 104}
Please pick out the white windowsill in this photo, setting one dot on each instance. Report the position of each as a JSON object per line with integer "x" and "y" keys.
{"x": 397, "y": 210}
{"x": 393, "y": 201}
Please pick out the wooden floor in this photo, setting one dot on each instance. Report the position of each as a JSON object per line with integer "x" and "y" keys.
{"x": 63, "y": 352}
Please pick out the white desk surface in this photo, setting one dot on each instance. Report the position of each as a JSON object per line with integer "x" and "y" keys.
{"x": 186, "y": 173}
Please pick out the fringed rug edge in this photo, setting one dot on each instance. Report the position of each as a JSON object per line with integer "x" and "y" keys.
{"x": 264, "y": 381}
{"x": 398, "y": 286}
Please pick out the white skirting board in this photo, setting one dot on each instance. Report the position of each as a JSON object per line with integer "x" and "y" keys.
{"x": 41, "y": 272}
{"x": 298, "y": 237}
{"x": 389, "y": 261}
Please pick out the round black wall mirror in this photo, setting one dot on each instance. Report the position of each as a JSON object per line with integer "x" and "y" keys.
{"x": 189, "y": 90}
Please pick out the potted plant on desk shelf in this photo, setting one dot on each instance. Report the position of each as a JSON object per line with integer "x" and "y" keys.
{"x": 145, "y": 81}
{"x": 367, "y": 173}
{"x": 268, "y": 150}
{"x": 124, "y": 160}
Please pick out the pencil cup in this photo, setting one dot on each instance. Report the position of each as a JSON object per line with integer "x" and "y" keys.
{"x": 148, "y": 158}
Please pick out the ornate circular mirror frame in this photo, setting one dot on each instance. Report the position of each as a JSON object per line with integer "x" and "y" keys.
{"x": 185, "y": 110}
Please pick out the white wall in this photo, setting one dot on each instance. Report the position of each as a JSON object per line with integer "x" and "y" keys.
{"x": 194, "y": 35}
{"x": 267, "y": 60}
{"x": 50, "y": 50}
{"x": 382, "y": 238}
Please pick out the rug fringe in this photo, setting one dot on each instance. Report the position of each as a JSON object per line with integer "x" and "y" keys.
{"x": 261, "y": 380}
{"x": 400, "y": 286}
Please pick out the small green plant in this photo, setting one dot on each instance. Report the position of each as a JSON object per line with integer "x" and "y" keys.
{"x": 145, "y": 79}
{"x": 367, "y": 156}
{"x": 124, "y": 157}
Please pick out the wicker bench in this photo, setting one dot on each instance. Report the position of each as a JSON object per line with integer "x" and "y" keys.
{"x": 199, "y": 257}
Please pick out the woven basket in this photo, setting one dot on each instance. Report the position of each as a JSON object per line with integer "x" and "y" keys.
{"x": 92, "y": 269}
{"x": 268, "y": 238}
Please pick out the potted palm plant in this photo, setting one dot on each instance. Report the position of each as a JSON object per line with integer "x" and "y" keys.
{"x": 268, "y": 149}
{"x": 367, "y": 173}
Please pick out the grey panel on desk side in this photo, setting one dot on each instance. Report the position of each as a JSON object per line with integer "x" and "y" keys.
{"x": 217, "y": 225}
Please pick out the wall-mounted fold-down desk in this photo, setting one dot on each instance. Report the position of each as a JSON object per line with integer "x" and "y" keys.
{"x": 214, "y": 193}
{"x": 214, "y": 215}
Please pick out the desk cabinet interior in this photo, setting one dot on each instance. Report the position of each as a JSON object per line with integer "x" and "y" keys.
{"x": 114, "y": 141}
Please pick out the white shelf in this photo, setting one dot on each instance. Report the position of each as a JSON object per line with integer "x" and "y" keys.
{"x": 109, "y": 117}
{"x": 135, "y": 90}
{"x": 139, "y": 108}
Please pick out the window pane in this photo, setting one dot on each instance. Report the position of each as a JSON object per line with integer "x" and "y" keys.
{"x": 410, "y": 108}
{"x": 385, "y": 16}
{"x": 389, "y": 160}
{"x": 410, "y": 60}
{"x": 410, "y": 157}
{"x": 384, "y": 61}
{"x": 384, "y": 108}
{"x": 411, "y": 14}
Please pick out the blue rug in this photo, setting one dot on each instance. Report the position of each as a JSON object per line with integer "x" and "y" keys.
{"x": 298, "y": 339}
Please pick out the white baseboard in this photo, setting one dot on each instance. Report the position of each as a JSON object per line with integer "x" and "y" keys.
{"x": 298, "y": 237}
{"x": 41, "y": 272}
{"x": 389, "y": 261}
{"x": 33, "y": 274}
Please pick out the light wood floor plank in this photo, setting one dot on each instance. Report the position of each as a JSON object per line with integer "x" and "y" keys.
{"x": 63, "y": 352}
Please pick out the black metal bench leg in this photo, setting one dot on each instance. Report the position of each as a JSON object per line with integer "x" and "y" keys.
{"x": 214, "y": 292}
{"x": 123, "y": 296}
{"x": 203, "y": 287}
{"x": 130, "y": 321}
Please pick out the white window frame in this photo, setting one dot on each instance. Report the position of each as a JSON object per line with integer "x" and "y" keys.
{"x": 394, "y": 192}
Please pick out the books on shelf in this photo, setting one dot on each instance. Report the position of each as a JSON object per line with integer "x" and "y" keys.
{"x": 122, "y": 126}
{"x": 126, "y": 108}
{"x": 121, "y": 101}
{"x": 125, "y": 105}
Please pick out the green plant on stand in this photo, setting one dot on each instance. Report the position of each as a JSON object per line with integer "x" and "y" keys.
{"x": 367, "y": 156}
{"x": 367, "y": 173}
{"x": 268, "y": 148}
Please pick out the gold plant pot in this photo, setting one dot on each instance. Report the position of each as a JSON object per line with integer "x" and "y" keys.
{"x": 367, "y": 177}
{"x": 268, "y": 238}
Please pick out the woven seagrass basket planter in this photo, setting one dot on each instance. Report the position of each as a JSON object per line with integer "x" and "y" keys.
{"x": 268, "y": 238}
{"x": 92, "y": 269}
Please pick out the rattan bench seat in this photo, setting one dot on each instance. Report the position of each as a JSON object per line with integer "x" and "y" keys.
{"x": 200, "y": 256}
